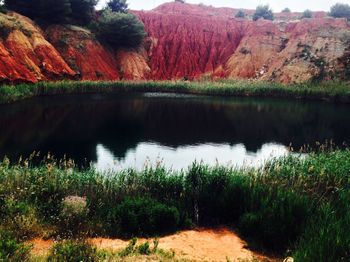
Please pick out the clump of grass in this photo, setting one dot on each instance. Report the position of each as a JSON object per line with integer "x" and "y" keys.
{"x": 11, "y": 249}
{"x": 73, "y": 251}
{"x": 333, "y": 91}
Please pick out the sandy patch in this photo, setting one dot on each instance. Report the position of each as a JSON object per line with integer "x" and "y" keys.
{"x": 195, "y": 245}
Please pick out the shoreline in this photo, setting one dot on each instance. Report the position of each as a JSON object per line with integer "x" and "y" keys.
{"x": 327, "y": 91}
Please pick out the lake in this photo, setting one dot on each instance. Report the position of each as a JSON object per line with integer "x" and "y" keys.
{"x": 119, "y": 131}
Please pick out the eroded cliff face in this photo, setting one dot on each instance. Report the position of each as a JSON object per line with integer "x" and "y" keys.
{"x": 25, "y": 54}
{"x": 195, "y": 41}
{"x": 184, "y": 41}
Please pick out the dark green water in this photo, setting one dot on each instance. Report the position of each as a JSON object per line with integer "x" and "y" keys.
{"x": 126, "y": 130}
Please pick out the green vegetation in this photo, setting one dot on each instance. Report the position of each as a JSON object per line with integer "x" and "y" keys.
{"x": 307, "y": 14}
{"x": 286, "y": 10}
{"x": 11, "y": 249}
{"x": 118, "y": 6}
{"x": 240, "y": 14}
{"x": 330, "y": 91}
{"x": 120, "y": 29}
{"x": 263, "y": 11}
{"x": 55, "y": 11}
{"x": 293, "y": 203}
{"x": 340, "y": 11}
{"x": 73, "y": 251}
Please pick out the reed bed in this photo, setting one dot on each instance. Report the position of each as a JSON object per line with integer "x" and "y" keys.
{"x": 331, "y": 91}
{"x": 292, "y": 206}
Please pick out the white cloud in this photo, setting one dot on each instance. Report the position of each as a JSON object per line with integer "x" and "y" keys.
{"x": 277, "y": 5}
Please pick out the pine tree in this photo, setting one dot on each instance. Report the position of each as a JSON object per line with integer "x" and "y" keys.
{"x": 119, "y": 6}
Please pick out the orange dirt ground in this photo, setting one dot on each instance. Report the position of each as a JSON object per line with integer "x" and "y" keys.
{"x": 193, "y": 245}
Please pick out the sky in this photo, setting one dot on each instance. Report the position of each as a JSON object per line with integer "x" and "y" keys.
{"x": 276, "y": 5}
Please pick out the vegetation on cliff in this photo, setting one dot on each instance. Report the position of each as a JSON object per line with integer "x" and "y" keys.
{"x": 120, "y": 29}
{"x": 340, "y": 10}
{"x": 296, "y": 204}
{"x": 263, "y": 11}
{"x": 115, "y": 25}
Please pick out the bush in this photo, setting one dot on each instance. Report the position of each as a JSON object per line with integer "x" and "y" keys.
{"x": 73, "y": 251}
{"x": 263, "y": 11}
{"x": 83, "y": 11}
{"x": 20, "y": 218}
{"x": 340, "y": 11}
{"x": 240, "y": 14}
{"x": 73, "y": 217}
{"x": 272, "y": 217}
{"x": 11, "y": 249}
{"x": 120, "y": 30}
{"x": 54, "y": 11}
{"x": 142, "y": 216}
{"x": 118, "y": 6}
{"x": 286, "y": 10}
{"x": 307, "y": 14}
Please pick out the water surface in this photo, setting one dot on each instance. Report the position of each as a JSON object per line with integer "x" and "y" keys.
{"x": 132, "y": 130}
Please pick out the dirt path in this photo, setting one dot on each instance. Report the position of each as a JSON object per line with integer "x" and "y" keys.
{"x": 196, "y": 245}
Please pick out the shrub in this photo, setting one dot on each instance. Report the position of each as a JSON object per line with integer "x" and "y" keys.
{"x": 11, "y": 249}
{"x": 120, "y": 30}
{"x": 286, "y": 10}
{"x": 73, "y": 251}
{"x": 73, "y": 217}
{"x": 20, "y": 218}
{"x": 263, "y": 11}
{"x": 83, "y": 11}
{"x": 240, "y": 14}
{"x": 142, "y": 216}
{"x": 307, "y": 14}
{"x": 55, "y": 11}
{"x": 340, "y": 11}
{"x": 118, "y": 6}
{"x": 273, "y": 215}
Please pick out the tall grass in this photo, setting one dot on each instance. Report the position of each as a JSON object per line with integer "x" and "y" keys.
{"x": 295, "y": 204}
{"x": 334, "y": 91}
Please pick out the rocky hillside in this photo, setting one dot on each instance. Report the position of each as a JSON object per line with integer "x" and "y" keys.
{"x": 184, "y": 41}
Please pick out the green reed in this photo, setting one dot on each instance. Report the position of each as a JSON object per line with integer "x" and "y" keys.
{"x": 333, "y": 91}
{"x": 293, "y": 206}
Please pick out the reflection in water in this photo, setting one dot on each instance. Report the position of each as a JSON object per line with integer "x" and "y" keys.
{"x": 176, "y": 129}
{"x": 151, "y": 155}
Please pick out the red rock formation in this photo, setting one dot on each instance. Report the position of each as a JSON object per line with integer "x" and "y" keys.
{"x": 184, "y": 41}
{"x": 194, "y": 40}
{"x": 25, "y": 54}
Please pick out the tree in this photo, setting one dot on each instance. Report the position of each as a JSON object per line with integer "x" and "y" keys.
{"x": 180, "y": 1}
{"x": 340, "y": 11}
{"x": 120, "y": 29}
{"x": 307, "y": 14}
{"x": 263, "y": 11}
{"x": 240, "y": 14}
{"x": 118, "y": 6}
{"x": 83, "y": 11}
{"x": 286, "y": 10}
{"x": 24, "y": 7}
{"x": 54, "y": 11}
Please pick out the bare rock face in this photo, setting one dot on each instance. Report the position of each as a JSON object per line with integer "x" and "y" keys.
{"x": 193, "y": 41}
{"x": 184, "y": 42}
{"x": 25, "y": 55}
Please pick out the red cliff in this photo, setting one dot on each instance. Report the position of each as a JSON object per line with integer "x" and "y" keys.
{"x": 184, "y": 41}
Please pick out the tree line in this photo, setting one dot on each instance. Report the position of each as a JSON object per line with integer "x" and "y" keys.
{"x": 338, "y": 10}
{"x": 114, "y": 24}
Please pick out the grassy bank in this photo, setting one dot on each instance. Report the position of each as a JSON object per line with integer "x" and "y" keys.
{"x": 332, "y": 91}
{"x": 292, "y": 206}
